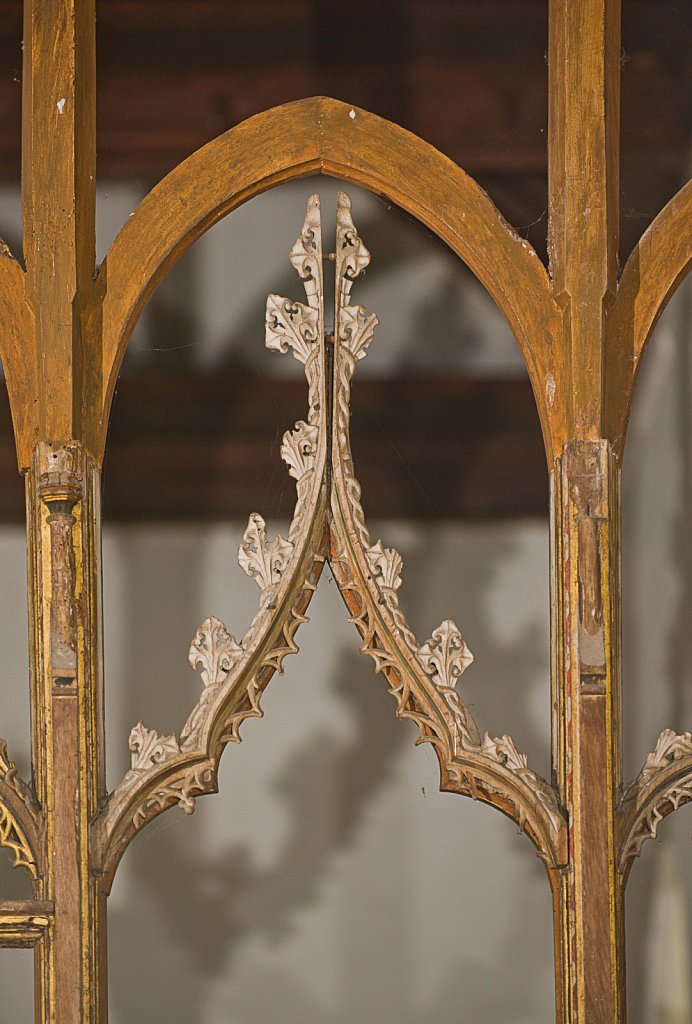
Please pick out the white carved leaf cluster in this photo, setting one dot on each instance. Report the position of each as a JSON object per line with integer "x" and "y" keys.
{"x": 651, "y": 801}
{"x": 355, "y": 326}
{"x": 445, "y": 657}
{"x": 306, "y": 253}
{"x": 299, "y": 448}
{"x": 291, "y": 325}
{"x": 670, "y": 747}
{"x": 386, "y": 565}
{"x": 294, "y": 325}
{"x": 148, "y": 748}
{"x": 262, "y": 559}
{"x": 214, "y": 651}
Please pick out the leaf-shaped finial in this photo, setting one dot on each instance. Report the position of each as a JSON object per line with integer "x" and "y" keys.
{"x": 386, "y": 565}
{"x": 214, "y": 650}
{"x": 148, "y": 748}
{"x": 355, "y": 327}
{"x": 352, "y": 257}
{"x": 306, "y": 254}
{"x": 299, "y": 448}
{"x": 445, "y": 656}
{"x": 260, "y": 558}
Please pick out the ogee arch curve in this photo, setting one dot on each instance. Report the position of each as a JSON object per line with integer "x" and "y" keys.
{"x": 321, "y": 135}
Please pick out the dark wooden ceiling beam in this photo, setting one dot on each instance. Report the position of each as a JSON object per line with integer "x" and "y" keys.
{"x": 206, "y": 448}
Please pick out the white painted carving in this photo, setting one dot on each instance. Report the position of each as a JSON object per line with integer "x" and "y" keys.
{"x": 148, "y": 748}
{"x": 214, "y": 651}
{"x": 306, "y": 254}
{"x": 299, "y": 448}
{"x": 422, "y": 678}
{"x": 291, "y": 325}
{"x": 650, "y": 797}
{"x": 386, "y": 565}
{"x": 263, "y": 560}
{"x": 670, "y": 747}
{"x": 445, "y": 657}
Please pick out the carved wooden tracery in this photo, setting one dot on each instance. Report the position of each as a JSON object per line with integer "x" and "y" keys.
{"x": 582, "y": 331}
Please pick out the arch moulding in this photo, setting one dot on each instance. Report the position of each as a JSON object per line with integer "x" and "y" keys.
{"x": 321, "y": 135}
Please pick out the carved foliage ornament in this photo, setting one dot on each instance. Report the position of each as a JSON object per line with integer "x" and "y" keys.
{"x": 172, "y": 769}
{"x": 663, "y": 785}
{"x": 12, "y": 835}
{"x": 423, "y": 678}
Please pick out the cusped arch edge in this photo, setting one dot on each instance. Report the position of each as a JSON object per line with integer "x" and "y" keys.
{"x": 321, "y": 135}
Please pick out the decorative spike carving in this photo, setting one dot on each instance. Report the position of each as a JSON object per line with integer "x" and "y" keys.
{"x": 299, "y": 448}
{"x": 263, "y": 560}
{"x": 148, "y": 748}
{"x": 181, "y": 791}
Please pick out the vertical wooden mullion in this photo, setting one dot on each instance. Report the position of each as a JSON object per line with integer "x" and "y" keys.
{"x": 584, "y": 62}
{"x": 58, "y": 199}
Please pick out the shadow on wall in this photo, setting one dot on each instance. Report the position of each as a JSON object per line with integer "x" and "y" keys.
{"x": 329, "y": 881}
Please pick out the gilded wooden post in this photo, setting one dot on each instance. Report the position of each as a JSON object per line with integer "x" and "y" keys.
{"x": 63, "y": 500}
{"x": 584, "y": 61}
{"x": 63, "y": 530}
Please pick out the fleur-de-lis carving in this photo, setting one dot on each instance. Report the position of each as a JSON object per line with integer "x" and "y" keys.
{"x": 291, "y": 325}
{"x": 260, "y": 558}
{"x": 306, "y": 254}
{"x": 148, "y": 748}
{"x": 386, "y": 565}
{"x": 356, "y": 329}
{"x": 445, "y": 656}
{"x": 352, "y": 257}
{"x": 298, "y": 449}
{"x": 354, "y": 326}
{"x": 214, "y": 650}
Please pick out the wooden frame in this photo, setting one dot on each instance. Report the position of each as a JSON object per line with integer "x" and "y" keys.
{"x": 582, "y": 333}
